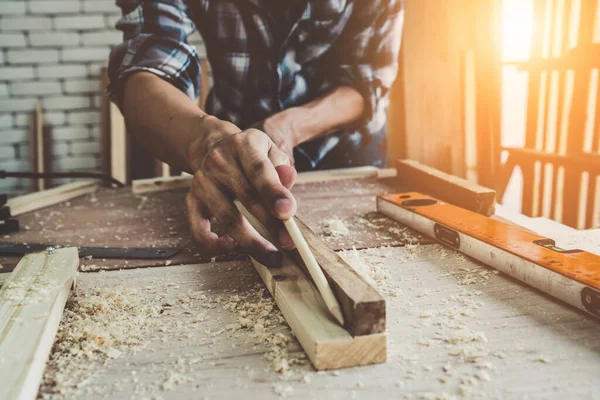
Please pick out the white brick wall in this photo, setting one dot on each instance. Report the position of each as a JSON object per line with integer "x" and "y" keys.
{"x": 52, "y": 51}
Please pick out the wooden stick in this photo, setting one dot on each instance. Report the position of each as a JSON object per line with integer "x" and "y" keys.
{"x": 37, "y": 145}
{"x": 31, "y": 304}
{"x": 314, "y": 269}
{"x": 139, "y": 186}
{"x": 34, "y": 201}
{"x": 450, "y": 188}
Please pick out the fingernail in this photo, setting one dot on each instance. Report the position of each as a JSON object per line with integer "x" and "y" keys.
{"x": 285, "y": 240}
{"x": 282, "y": 206}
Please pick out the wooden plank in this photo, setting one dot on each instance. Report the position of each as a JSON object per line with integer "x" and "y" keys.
{"x": 337, "y": 174}
{"x": 118, "y": 145}
{"x": 35, "y": 201}
{"x": 327, "y": 344}
{"x": 3, "y": 277}
{"x": 31, "y": 305}
{"x": 446, "y": 187}
{"x": 362, "y": 306}
{"x": 139, "y": 186}
{"x": 435, "y": 33}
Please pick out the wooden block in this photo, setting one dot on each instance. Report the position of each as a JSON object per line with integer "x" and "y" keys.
{"x": 446, "y": 187}
{"x": 362, "y": 306}
{"x": 31, "y": 304}
{"x": 34, "y": 201}
{"x": 327, "y": 344}
{"x": 37, "y": 145}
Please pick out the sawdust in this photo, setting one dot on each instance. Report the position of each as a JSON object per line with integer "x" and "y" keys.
{"x": 92, "y": 268}
{"x": 335, "y": 227}
{"x": 260, "y": 319}
{"x": 97, "y": 325}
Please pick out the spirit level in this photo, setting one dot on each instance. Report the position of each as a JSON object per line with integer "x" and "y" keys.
{"x": 569, "y": 275}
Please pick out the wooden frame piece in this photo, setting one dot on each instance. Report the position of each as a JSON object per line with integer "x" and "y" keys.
{"x": 450, "y": 188}
{"x": 34, "y": 201}
{"x": 140, "y": 186}
{"x": 37, "y": 146}
{"x": 32, "y": 301}
{"x": 327, "y": 344}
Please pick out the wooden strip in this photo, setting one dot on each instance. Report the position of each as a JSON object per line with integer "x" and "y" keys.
{"x": 363, "y": 308}
{"x": 447, "y": 187}
{"x": 37, "y": 144}
{"x": 314, "y": 270}
{"x": 31, "y": 305}
{"x": 327, "y": 344}
{"x": 34, "y": 201}
{"x": 140, "y": 186}
{"x": 3, "y": 277}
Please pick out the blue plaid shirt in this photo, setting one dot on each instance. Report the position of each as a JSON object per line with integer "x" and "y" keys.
{"x": 265, "y": 60}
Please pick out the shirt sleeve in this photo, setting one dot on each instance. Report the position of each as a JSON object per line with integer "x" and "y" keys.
{"x": 368, "y": 50}
{"x": 155, "y": 40}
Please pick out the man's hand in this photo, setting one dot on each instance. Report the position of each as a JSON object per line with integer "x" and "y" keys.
{"x": 247, "y": 166}
{"x": 279, "y": 127}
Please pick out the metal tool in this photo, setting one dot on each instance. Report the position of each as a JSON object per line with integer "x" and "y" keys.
{"x": 157, "y": 253}
{"x": 572, "y": 276}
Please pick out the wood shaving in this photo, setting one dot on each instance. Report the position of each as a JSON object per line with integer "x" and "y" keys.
{"x": 97, "y": 325}
{"x": 335, "y": 227}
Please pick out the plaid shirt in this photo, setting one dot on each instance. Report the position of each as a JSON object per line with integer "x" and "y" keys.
{"x": 264, "y": 61}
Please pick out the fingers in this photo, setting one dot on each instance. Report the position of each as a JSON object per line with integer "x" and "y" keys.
{"x": 258, "y": 157}
{"x": 225, "y": 171}
{"x": 287, "y": 175}
{"x": 199, "y": 219}
{"x": 233, "y": 222}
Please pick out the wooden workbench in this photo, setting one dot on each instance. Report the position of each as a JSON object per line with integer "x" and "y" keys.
{"x": 456, "y": 329}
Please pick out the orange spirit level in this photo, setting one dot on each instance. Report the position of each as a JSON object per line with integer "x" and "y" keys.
{"x": 569, "y": 275}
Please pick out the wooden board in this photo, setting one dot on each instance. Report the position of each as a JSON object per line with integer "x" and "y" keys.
{"x": 35, "y": 201}
{"x": 139, "y": 186}
{"x": 150, "y": 185}
{"x": 326, "y": 343}
{"x": 522, "y": 343}
{"x": 362, "y": 307}
{"x": 31, "y": 305}
{"x": 450, "y": 188}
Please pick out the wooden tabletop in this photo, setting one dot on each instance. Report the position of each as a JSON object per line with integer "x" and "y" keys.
{"x": 209, "y": 329}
